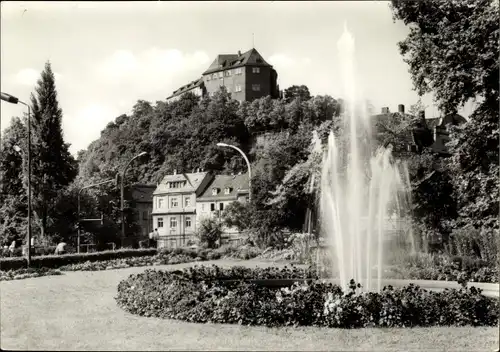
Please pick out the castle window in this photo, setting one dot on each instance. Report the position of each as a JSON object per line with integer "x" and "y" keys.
{"x": 256, "y": 87}
{"x": 255, "y": 69}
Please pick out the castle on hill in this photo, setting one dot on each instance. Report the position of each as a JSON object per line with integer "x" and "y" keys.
{"x": 245, "y": 76}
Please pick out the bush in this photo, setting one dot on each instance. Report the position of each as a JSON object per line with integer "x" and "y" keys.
{"x": 26, "y": 273}
{"x": 56, "y": 261}
{"x": 209, "y": 233}
{"x": 216, "y": 295}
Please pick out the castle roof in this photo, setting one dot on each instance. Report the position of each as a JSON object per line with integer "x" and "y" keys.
{"x": 228, "y": 61}
{"x": 186, "y": 88}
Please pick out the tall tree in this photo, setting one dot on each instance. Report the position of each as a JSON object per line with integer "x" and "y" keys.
{"x": 452, "y": 50}
{"x": 53, "y": 167}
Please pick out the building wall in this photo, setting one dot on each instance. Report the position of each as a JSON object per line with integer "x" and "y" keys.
{"x": 230, "y": 81}
{"x": 165, "y": 211}
{"x": 263, "y": 79}
{"x": 145, "y": 220}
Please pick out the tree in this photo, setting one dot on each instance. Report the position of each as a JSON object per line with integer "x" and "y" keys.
{"x": 452, "y": 50}
{"x": 13, "y": 197}
{"x": 53, "y": 167}
{"x": 294, "y": 92}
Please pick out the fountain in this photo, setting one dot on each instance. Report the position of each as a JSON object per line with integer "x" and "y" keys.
{"x": 361, "y": 188}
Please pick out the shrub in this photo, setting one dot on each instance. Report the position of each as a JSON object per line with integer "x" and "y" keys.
{"x": 216, "y": 295}
{"x": 209, "y": 232}
{"x": 56, "y": 261}
{"x": 26, "y": 273}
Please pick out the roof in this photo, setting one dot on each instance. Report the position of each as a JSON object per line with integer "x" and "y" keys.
{"x": 227, "y": 61}
{"x": 237, "y": 184}
{"x": 143, "y": 193}
{"x": 454, "y": 119}
{"x": 193, "y": 182}
{"x": 186, "y": 88}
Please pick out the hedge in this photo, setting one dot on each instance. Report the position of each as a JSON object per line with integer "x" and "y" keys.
{"x": 56, "y": 261}
{"x": 196, "y": 295}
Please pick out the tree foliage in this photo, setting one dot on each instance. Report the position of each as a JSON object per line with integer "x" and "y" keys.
{"x": 53, "y": 167}
{"x": 452, "y": 50}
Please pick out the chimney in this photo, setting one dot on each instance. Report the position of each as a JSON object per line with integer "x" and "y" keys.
{"x": 175, "y": 171}
{"x": 385, "y": 110}
{"x": 239, "y": 53}
{"x": 401, "y": 108}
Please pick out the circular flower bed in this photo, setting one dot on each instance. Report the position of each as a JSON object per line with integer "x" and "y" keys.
{"x": 216, "y": 295}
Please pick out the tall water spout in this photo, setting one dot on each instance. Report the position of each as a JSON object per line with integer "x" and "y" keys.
{"x": 360, "y": 187}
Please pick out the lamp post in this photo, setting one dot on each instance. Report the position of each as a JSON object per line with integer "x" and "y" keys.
{"x": 248, "y": 165}
{"x": 13, "y": 100}
{"x": 79, "y": 192}
{"x": 122, "y": 192}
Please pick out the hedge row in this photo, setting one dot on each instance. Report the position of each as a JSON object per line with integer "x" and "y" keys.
{"x": 56, "y": 261}
{"x": 186, "y": 295}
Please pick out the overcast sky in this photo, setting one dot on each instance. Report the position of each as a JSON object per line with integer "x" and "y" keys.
{"x": 107, "y": 55}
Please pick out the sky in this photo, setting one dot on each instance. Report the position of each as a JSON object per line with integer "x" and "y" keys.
{"x": 107, "y": 55}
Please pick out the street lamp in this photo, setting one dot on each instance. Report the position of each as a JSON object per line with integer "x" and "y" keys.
{"x": 79, "y": 192}
{"x": 122, "y": 192}
{"x": 248, "y": 165}
{"x": 13, "y": 100}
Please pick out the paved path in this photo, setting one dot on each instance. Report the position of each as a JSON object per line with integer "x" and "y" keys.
{"x": 77, "y": 311}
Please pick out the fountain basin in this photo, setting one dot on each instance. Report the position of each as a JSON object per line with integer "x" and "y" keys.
{"x": 488, "y": 289}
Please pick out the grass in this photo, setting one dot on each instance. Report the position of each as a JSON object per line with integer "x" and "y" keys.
{"x": 77, "y": 311}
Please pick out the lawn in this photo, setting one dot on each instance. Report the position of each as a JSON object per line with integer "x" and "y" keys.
{"x": 77, "y": 311}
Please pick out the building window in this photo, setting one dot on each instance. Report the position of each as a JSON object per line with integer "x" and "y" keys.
{"x": 212, "y": 206}
{"x": 255, "y": 69}
{"x": 145, "y": 215}
{"x": 227, "y": 190}
{"x": 159, "y": 223}
{"x": 174, "y": 203}
{"x": 208, "y": 78}
{"x": 214, "y": 191}
{"x": 237, "y": 88}
{"x": 229, "y": 72}
{"x": 221, "y": 74}
{"x": 256, "y": 87}
{"x": 214, "y": 76}
{"x": 239, "y": 71}
{"x": 221, "y": 206}
{"x": 160, "y": 203}
{"x": 188, "y": 221}
{"x": 203, "y": 207}
{"x": 173, "y": 223}
{"x": 187, "y": 202}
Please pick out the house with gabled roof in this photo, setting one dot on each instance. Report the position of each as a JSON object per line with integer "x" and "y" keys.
{"x": 246, "y": 76}
{"x": 420, "y": 132}
{"x": 174, "y": 207}
{"x": 219, "y": 193}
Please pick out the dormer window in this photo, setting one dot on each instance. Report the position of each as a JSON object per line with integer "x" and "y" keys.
{"x": 227, "y": 190}
{"x": 215, "y": 191}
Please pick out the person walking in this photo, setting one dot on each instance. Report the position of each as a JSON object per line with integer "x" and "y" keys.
{"x": 61, "y": 248}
